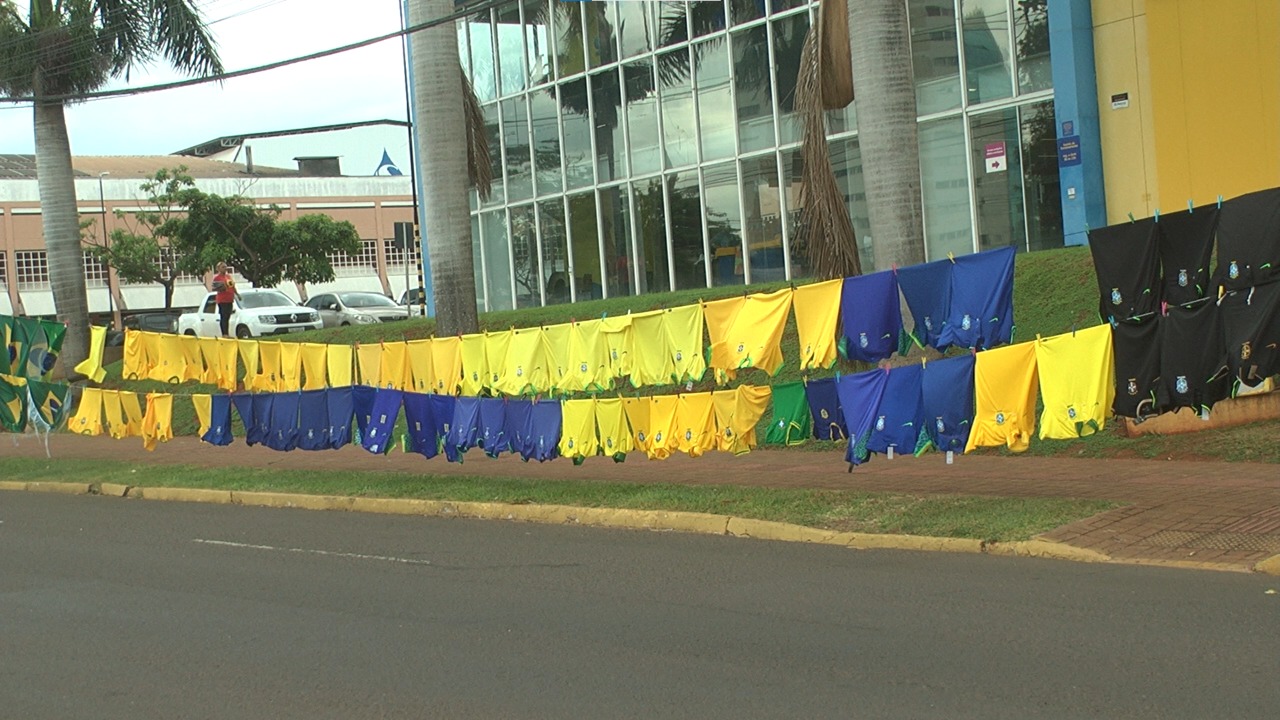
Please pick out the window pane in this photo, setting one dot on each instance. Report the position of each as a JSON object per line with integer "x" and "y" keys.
{"x": 672, "y": 25}
{"x": 777, "y": 6}
{"x": 567, "y": 28}
{"x": 688, "y": 255}
{"x": 537, "y": 43}
{"x": 615, "y": 212}
{"x": 751, "y": 80}
{"x": 483, "y": 72}
{"x": 511, "y": 68}
{"x": 1031, "y": 32}
{"x": 524, "y": 253}
{"x": 492, "y": 129}
{"x": 1040, "y": 175}
{"x": 715, "y": 101}
{"x": 997, "y": 179}
{"x": 724, "y": 224}
{"x": 586, "y": 246}
{"x": 986, "y": 49}
{"x": 598, "y": 29}
{"x": 788, "y": 38}
{"x": 515, "y": 136}
{"x": 546, "y": 140}
{"x": 555, "y": 251}
{"x": 611, "y": 146}
{"x": 944, "y": 177}
{"x": 741, "y": 11}
{"x": 677, "y": 111}
{"x": 577, "y": 133}
{"x": 935, "y": 56}
{"x": 477, "y": 263}
{"x": 762, "y": 207}
{"x": 642, "y": 115}
{"x": 497, "y": 270}
{"x": 706, "y": 17}
{"x": 651, "y": 236}
{"x": 636, "y": 27}
{"x": 464, "y": 52}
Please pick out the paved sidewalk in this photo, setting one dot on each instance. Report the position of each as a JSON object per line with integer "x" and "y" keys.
{"x": 1217, "y": 513}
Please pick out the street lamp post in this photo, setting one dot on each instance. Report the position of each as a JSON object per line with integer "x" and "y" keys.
{"x": 106, "y": 240}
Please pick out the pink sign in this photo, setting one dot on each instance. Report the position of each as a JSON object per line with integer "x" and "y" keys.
{"x": 996, "y": 157}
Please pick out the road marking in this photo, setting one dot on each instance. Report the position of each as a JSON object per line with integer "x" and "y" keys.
{"x": 357, "y": 556}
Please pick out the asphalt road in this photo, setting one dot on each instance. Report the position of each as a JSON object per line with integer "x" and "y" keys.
{"x": 114, "y": 608}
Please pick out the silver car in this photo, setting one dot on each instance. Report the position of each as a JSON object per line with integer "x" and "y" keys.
{"x": 356, "y": 308}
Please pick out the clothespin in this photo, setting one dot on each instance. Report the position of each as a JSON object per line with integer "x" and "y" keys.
{"x": 895, "y": 268}
{"x": 1157, "y": 214}
{"x": 1190, "y": 207}
{"x": 951, "y": 256}
{"x": 922, "y": 362}
{"x": 1131, "y": 218}
{"x": 1219, "y": 202}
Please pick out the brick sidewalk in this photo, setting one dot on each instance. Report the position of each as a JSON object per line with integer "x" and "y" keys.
{"x": 1204, "y": 512}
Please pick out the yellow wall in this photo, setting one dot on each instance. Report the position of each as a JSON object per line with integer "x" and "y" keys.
{"x": 1128, "y": 137}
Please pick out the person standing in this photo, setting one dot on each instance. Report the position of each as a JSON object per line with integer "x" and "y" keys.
{"x": 224, "y": 287}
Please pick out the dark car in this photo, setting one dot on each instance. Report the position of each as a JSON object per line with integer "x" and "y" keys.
{"x": 160, "y": 322}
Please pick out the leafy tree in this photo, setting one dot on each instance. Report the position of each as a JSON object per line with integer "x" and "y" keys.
{"x": 147, "y": 251}
{"x": 263, "y": 249}
{"x": 60, "y": 49}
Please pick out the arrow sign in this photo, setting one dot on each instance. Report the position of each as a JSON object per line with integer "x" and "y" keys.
{"x": 996, "y": 157}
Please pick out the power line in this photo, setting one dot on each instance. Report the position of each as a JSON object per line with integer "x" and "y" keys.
{"x": 124, "y": 92}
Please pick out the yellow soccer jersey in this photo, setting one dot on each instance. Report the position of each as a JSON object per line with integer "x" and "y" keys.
{"x": 135, "y": 357}
{"x": 209, "y": 357}
{"x": 638, "y": 413}
{"x": 132, "y": 413}
{"x": 475, "y": 366}
{"x": 171, "y": 362}
{"x": 525, "y": 370}
{"x": 204, "y": 413}
{"x": 747, "y": 332}
{"x": 369, "y": 363}
{"x": 683, "y": 327}
{"x": 662, "y": 426}
{"x": 268, "y": 379}
{"x": 1004, "y": 397}
{"x": 555, "y": 344}
{"x": 616, "y": 439}
{"x": 695, "y": 424}
{"x": 290, "y": 367}
{"x": 157, "y": 422}
{"x": 724, "y": 403}
{"x": 650, "y": 359}
{"x": 91, "y": 367}
{"x": 817, "y": 310}
{"x": 315, "y": 361}
{"x": 720, "y": 316}
{"x": 753, "y": 403}
{"x": 578, "y": 429}
{"x": 446, "y": 363}
{"x": 394, "y": 372}
{"x": 588, "y": 359}
{"x": 150, "y": 343}
{"x": 250, "y": 358}
{"x": 496, "y": 345}
{"x": 340, "y": 361}
{"x": 115, "y": 426}
{"x": 616, "y": 333}
{"x": 194, "y": 368}
{"x": 1077, "y": 382}
{"x": 226, "y": 356}
{"x": 420, "y": 368}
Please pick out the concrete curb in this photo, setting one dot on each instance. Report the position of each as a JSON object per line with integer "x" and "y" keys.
{"x": 659, "y": 520}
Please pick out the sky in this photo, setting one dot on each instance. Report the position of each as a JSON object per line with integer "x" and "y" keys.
{"x": 365, "y": 84}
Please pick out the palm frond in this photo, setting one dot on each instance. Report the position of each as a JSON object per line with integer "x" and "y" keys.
{"x": 180, "y": 36}
{"x": 824, "y": 234}
{"x": 479, "y": 162}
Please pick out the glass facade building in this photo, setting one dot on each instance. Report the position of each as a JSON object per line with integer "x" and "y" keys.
{"x": 648, "y": 146}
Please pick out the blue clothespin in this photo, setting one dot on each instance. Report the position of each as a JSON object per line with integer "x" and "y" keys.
{"x": 1157, "y": 214}
{"x": 1190, "y": 208}
{"x": 1219, "y": 202}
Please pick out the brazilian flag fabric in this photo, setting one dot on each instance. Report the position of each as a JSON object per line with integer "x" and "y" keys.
{"x": 13, "y": 403}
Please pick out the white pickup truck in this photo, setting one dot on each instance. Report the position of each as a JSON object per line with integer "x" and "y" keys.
{"x": 256, "y": 313}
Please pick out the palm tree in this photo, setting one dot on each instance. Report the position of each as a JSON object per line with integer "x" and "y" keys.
{"x": 64, "y": 48}
{"x": 443, "y": 140}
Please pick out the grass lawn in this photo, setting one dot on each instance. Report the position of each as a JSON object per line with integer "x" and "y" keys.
{"x": 980, "y": 518}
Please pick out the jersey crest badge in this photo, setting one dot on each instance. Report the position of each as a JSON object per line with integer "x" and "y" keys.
{"x": 519, "y": 371}
{"x": 1181, "y": 384}
{"x": 582, "y": 367}
{"x": 966, "y": 322}
{"x": 475, "y": 376}
{"x": 570, "y": 443}
{"x": 657, "y": 438}
{"x": 862, "y": 339}
{"x": 880, "y": 423}
{"x": 608, "y": 442}
{"x": 688, "y": 435}
{"x": 928, "y": 323}
{"x": 1133, "y": 386}
{"x": 999, "y": 418}
{"x": 941, "y": 426}
{"x": 640, "y": 436}
{"x": 1233, "y": 270}
{"x": 1071, "y": 413}
{"x": 495, "y": 377}
{"x": 679, "y": 356}
{"x": 823, "y": 413}
{"x": 1246, "y": 350}
{"x": 1115, "y": 296}
{"x": 1182, "y": 278}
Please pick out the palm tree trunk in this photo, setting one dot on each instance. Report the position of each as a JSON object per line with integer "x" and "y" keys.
{"x": 442, "y": 139}
{"x": 886, "y": 100}
{"x": 61, "y": 224}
